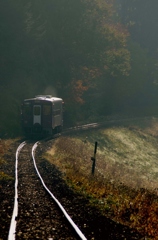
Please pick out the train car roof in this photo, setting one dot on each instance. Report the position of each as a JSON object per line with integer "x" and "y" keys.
{"x": 44, "y": 98}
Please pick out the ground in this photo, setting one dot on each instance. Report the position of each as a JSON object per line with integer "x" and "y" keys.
{"x": 118, "y": 202}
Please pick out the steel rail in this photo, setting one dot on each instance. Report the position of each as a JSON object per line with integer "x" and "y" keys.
{"x": 105, "y": 123}
{"x": 78, "y": 231}
{"x": 12, "y": 229}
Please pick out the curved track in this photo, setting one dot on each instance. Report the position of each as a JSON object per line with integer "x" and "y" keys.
{"x": 80, "y": 234}
{"x": 24, "y": 224}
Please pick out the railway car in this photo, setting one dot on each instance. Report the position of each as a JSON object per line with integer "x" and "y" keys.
{"x": 42, "y": 115}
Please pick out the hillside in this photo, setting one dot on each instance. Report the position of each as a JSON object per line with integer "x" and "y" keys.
{"x": 124, "y": 186}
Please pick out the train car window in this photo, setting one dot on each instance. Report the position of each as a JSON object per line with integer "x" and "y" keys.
{"x": 27, "y": 109}
{"x": 37, "y": 110}
{"x": 46, "y": 110}
{"x": 57, "y": 112}
{"x": 57, "y": 108}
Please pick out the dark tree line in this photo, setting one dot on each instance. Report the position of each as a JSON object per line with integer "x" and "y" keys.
{"x": 142, "y": 21}
{"x": 90, "y": 53}
{"x": 140, "y": 18}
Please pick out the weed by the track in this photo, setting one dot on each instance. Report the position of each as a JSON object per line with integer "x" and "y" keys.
{"x": 4, "y": 150}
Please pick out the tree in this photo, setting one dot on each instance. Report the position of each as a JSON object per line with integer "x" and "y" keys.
{"x": 140, "y": 17}
{"x": 142, "y": 21}
{"x": 79, "y": 42}
{"x": 73, "y": 47}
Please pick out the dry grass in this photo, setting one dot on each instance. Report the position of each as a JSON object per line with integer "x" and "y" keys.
{"x": 125, "y": 183}
{"x": 4, "y": 146}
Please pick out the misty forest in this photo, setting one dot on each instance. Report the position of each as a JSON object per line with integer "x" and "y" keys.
{"x": 100, "y": 56}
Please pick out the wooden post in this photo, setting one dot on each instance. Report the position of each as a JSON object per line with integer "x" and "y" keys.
{"x": 94, "y": 158}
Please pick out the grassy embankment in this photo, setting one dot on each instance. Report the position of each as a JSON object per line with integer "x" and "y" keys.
{"x": 4, "y": 146}
{"x": 125, "y": 183}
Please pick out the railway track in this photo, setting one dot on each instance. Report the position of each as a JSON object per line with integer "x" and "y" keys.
{"x": 37, "y": 213}
{"x": 38, "y": 216}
